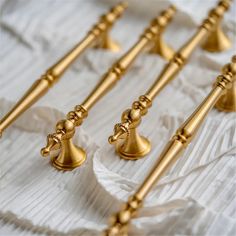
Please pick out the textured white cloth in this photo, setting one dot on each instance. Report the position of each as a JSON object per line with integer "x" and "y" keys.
{"x": 196, "y": 197}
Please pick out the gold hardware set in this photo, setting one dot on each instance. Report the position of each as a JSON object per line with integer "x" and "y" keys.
{"x": 129, "y": 144}
{"x": 71, "y": 156}
{"x": 98, "y": 37}
{"x": 174, "y": 148}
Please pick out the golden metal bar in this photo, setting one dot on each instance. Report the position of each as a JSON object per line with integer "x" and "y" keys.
{"x": 96, "y": 36}
{"x": 173, "y": 68}
{"x": 151, "y": 34}
{"x": 71, "y": 156}
{"x": 182, "y": 137}
{"x": 173, "y": 149}
{"x": 129, "y": 144}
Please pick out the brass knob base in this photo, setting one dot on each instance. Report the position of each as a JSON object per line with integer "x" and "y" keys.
{"x": 65, "y": 167}
{"x": 69, "y": 166}
{"x": 227, "y": 102}
{"x": 108, "y": 43}
{"x": 162, "y": 49}
{"x": 70, "y": 157}
{"x": 226, "y": 106}
{"x": 135, "y": 150}
{"x": 217, "y": 41}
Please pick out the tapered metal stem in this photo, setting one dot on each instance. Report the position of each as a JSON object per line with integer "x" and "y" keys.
{"x": 41, "y": 86}
{"x": 132, "y": 118}
{"x": 173, "y": 150}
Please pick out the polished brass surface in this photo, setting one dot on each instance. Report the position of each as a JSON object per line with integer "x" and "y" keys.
{"x": 155, "y": 34}
{"x": 131, "y": 118}
{"x": 129, "y": 144}
{"x": 97, "y": 36}
{"x": 173, "y": 149}
{"x": 227, "y": 101}
{"x": 217, "y": 41}
{"x": 65, "y": 129}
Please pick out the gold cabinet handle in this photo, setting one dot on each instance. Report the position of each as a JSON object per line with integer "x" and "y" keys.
{"x": 129, "y": 144}
{"x": 97, "y": 36}
{"x": 183, "y": 136}
{"x": 71, "y": 156}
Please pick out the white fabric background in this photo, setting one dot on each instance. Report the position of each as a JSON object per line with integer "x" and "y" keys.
{"x": 196, "y": 197}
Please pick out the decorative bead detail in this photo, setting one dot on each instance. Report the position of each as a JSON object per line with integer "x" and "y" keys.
{"x": 49, "y": 77}
{"x": 224, "y": 81}
{"x": 142, "y": 104}
{"x": 118, "y": 70}
{"x": 131, "y": 118}
{"x": 159, "y": 24}
{"x": 216, "y": 14}
{"x": 178, "y": 59}
{"x": 120, "y": 220}
{"x": 183, "y": 136}
{"x": 107, "y": 20}
{"x": 65, "y": 129}
{"x": 77, "y": 115}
